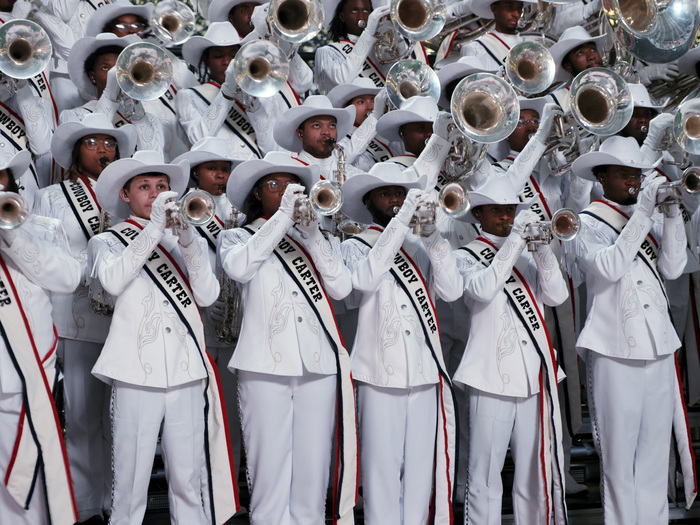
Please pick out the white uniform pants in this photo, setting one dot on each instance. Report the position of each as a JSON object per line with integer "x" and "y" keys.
{"x": 287, "y": 430}
{"x": 495, "y": 421}
{"x": 88, "y": 431}
{"x": 397, "y": 451}
{"x": 10, "y": 511}
{"x": 137, "y": 414}
{"x": 632, "y": 407}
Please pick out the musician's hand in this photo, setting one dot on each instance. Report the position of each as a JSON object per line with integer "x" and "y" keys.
{"x": 374, "y": 17}
{"x": 185, "y": 237}
{"x": 310, "y": 232}
{"x": 380, "y": 103}
{"x": 410, "y": 203}
{"x": 259, "y": 19}
{"x": 160, "y": 209}
{"x": 646, "y": 202}
{"x": 293, "y": 193}
{"x": 667, "y": 72}
{"x": 658, "y": 126}
{"x": 426, "y": 230}
{"x": 522, "y": 220}
{"x": 112, "y": 89}
{"x": 21, "y": 9}
{"x": 217, "y": 311}
{"x": 549, "y": 111}
{"x": 228, "y": 88}
{"x": 442, "y": 124}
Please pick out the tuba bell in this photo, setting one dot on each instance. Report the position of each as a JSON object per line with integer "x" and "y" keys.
{"x": 564, "y": 225}
{"x": 409, "y": 78}
{"x": 600, "y": 101}
{"x": 25, "y": 49}
{"x": 485, "y": 108}
{"x": 530, "y": 67}
{"x": 296, "y": 21}
{"x": 261, "y": 68}
{"x": 144, "y": 71}
{"x": 172, "y": 22}
{"x": 13, "y": 210}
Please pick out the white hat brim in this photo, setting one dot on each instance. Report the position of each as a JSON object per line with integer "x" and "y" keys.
{"x": 479, "y": 199}
{"x": 358, "y": 186}
{"x": 583, "y": 166}
{"x": 389, "y": 123}
{"x": 18, "y": 163}
{"x": 564, "y": 46}
{"x": 482, "y": 8}
{"x": 285, "y": 131}
{"x": 219, "y": 9}
{"x": 342, "y": 94}
{"x": 68, "y": 133}
{"x": 108, "y": 12}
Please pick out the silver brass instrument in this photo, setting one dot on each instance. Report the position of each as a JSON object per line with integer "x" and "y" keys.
{"x": 409, "y": 78}
{"x": 656, "y": 31}
{"x": 530, "y": 67}
{"x": 13, "y": 210}
{"x": 453, "y": 199}
{"x": 564, "y": 225}
{"x": 172, "y": 21}
{"x": 196, "y": 208}
{"x": 261, "y": 68}
{"x": 600, "y": 101}
{"x": 144, "y": 71}
{"x": 485, "y": 108}
{"x": 672, "y": 192}
{"x": 464, "y": 157}
{"x": 25, "y": 49}
{"x": 686, "y": 126}
{"x": 296, "y": 21}
{"x": 229, "y": 329}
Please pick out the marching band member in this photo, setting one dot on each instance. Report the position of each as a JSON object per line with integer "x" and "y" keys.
{"x": 34, "y": 262}
{"x": 210, "y": 169}
{"x": 237, "y": 12}
{"x": 509, "y": 363}
{"x": 293, "y": 370}
{"x": 405, "y": 402}
{"x": 155, "y": 357}
{"x": 84, "y": 149}
{"x": 212, "y": 109}
{"x": 628, "y": 340}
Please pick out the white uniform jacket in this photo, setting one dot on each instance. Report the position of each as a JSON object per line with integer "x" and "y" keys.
{"x": 280, "y": 334}
{"x": 72, "y": 312}
{"x": 39, "y": 262}
{"x": 628, "y": 314}
{"x": 491, "y": 47}
{"x": 334, "y": 67}
{"x": 148, "y": 345}
{"x": 500, "y": 357}
{"x": 390, "y": 349}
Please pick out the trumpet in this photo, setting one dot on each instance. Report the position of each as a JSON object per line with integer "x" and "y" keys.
{"x": 261, "y": 68}
{"x": 144, "y": 71}
{"x": 453, "y": 199}
{"x": 600, "y": 101}
{"x": 564, "y": 226}
{"x": 197, "y": 208}
{"x": 325, "y": 198}
{"x": 530, "y": 67}
{"x": 672, "y": 192}
{"x": 25, "y": 49}
{"x": 409, "y": 78}
{"x": 13, "y": 210}
{"x": 172, "y": 22}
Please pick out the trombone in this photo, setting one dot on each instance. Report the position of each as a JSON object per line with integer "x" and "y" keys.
{"x": 144, "y": 71}
{"x": 564, "y": 225}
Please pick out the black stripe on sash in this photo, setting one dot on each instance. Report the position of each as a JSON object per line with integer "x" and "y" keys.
{"x": 75, "y": 211}
{"x": 489, "y": 52}
{"x": 201, "y": 232}
{"x": 252, "y": 147}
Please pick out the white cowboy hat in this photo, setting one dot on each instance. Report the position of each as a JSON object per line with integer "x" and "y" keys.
{"x": 341, "y": 95}
{"x": 68, "y": 133}
{"x": 570, "y": 39}
{"x": 108, "y": 12}
{"x": 497, "y": 189}
{"x": 642, "y": 98}
{"x": 85, "y": 47}
{"x": 208, "y": 149}
{"x": 285, "y": 132}
{"x": 415, "y": 109}
{"x": 686, "y": 64}
{"x": 219, "y": 34}
{"x": 463, "y": 67}
{"x": 482, "y": 8}
{"x": 219, "y": 9}
{"x": 119, "y": 172}
{"x": 614, "y": 151}
{"x": 535, "y": 103}
{"x": 381, "y": 174}
{"x": 247, "y": 174}
{"x": 18, "y": 163}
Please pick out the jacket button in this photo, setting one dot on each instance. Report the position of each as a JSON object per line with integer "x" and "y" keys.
{"x": 167, "y": 329}
{"x": 639, "y": 283}
{"x": 403, "y": 307}
{"x": 646, "y": 306}
{"x": 299, "y": 319}
{"x": 294, "y": 294}
{"x": 524, "y": 342}
{"x": 407, "y": 332}
{"x": 165, "y": 303}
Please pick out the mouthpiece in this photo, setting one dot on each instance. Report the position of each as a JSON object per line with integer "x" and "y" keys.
{"x": 361, "y": 24}
{"x": 633, "y": 191}
{"x": 644, "y": 129}
{"x": 104, "y": 161}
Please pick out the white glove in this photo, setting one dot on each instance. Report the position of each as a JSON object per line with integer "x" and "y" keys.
{"x": 21, "y": 9}
{"x": 228, "y": 88}
{"x": 426, "y": 230}
{"x": 112, "y": 89}
{"x": 410, "y": 203}
{"x": 380, "y": 103}
{"x": 374, "y": 17}
{"x": 550, "y": 111}
{"x": 293, "y": 193}
{"x": 217, "y": 311}
{"x": 442, "y": 122}
{"x": 259, "y": 20}
{"x": 185, "y": 237}
{"x": 521, "y": 221}
{"x": 160, "y": 209}
{"x": 591, "y": 9}
{"x": 667, "y": 72}
{"x": 646, "y": 203}
{"x": 658, "y": 126}
{"x": 310, "y": 232}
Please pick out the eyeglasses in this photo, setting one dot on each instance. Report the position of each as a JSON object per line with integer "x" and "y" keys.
{"x": 92, "y": 143}
{"x": 530, "y": 121}
{"x": 628, "y": 176}
{"x": 136, "y": 26}
{"x": 275, "y": 186}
